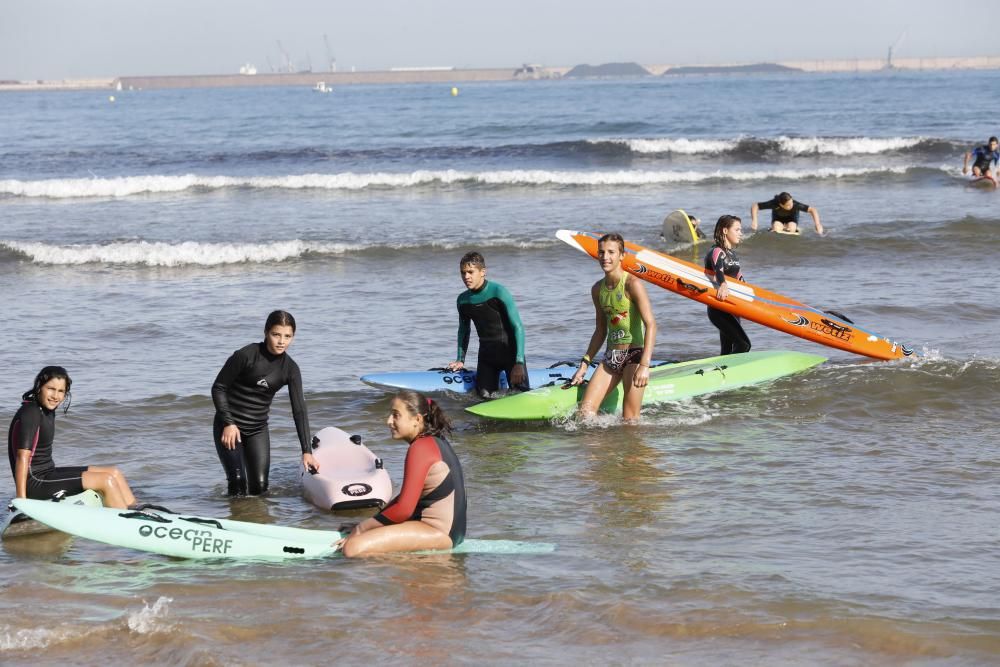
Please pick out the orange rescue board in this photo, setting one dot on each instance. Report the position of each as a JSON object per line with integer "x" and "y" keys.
{"x": 756, "y": 304}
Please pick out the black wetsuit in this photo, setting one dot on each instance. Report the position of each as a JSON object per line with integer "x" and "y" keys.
{"x": 33, "y": 428}
{"x": 242, "y": 394}
{"x": 720, "y": 263}
{"x": 779, "y": 214}
{"x": 984, "y": 157}
{"x": 501, "y": 335}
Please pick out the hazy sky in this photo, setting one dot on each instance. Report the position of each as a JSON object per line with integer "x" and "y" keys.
{"x": 55, "y": 39}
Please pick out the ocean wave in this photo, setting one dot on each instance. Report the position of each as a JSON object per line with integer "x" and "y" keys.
{"x": 157, "y": 184}
{"x": 170, "y": 254}
{"x": 192, "y": 253}
{"x": 759, "y": 147}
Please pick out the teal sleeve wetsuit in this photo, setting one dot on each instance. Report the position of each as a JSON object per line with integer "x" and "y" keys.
{"x": 501, "y": 335}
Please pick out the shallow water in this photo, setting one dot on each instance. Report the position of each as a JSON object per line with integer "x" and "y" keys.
{"x": 844, "y": 516}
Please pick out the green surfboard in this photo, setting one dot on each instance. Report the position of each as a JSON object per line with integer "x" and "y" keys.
{"x": 669, "y": 382}
{"x": 186, "y": 536}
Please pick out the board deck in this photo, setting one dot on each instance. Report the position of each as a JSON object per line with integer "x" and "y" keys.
{"x": 19, "y": 524}
{"x": 747, "y": 300}
{"x": 985, "y": 182}
{"x": 463, "y": 381}
{"x": 668, "y": 382}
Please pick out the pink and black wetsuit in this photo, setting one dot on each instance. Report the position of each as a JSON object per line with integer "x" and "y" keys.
{"x": 34, "y": 428}
{"x": 433, "y": 489}
{"x": 719, "y": 263}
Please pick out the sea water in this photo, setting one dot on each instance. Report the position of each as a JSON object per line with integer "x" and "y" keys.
{"x": 845, "y": 516}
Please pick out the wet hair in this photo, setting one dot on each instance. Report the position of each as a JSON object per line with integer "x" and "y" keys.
{"x": 617, "y": 238}
{"x": 44, "y": 375}
{"x": 724, "y": 223}
{"x": 473, "y": 258}
{"x": 992, "y": 139}
{"x": 783, "y": 197}
{"x": 435, "y": 421}
{"x": 279, "y": 318}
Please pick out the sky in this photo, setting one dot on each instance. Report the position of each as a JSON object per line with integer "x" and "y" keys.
{"x": 74, "y": 39}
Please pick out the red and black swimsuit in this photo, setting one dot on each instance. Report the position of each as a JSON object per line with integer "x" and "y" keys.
{"x": 433, "y": 489}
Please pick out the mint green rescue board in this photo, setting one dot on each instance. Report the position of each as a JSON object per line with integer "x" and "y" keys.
{"x": 185, "y": 536}
{"x": 19, "y": 524}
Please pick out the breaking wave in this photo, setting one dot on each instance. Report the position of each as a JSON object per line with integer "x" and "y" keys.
{"x": 156, "y": 184}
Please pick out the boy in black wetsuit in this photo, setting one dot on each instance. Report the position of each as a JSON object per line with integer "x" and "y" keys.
{"x": 984, "y": 156}
{"x": 784, "y": 213}
{"x": 501, "y": 335}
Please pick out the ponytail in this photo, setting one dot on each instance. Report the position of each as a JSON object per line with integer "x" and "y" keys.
{"x": 436, "y": 423}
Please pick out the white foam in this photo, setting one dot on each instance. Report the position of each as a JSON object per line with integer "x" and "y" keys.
{"x": 191, "y": 253}
{"x": 147, "y": 619}
{"x": 136, "y": 185}
{"x": 172, "y": 254}
{"x": 29, "y": 638}
{"x": 678, "y": 146}
{"x": 844, "y": 146}
{"x": 841, "y": 146}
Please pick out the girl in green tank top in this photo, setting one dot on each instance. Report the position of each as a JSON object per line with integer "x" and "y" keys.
{"x": 625, "y": 319}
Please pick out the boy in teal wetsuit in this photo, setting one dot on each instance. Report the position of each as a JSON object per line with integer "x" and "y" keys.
{"x": 501, "y": 335}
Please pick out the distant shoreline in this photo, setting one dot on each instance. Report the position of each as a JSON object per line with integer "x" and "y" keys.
{"x": 457, "y": 75}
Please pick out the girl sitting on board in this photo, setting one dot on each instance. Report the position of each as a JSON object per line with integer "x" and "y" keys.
{"x": 722, "y": 261}
{"x": 622, "y": 312}
{"x": 429, "y": 512}
{"x": 242, "y": 393}
{"x": 29, "y": 446}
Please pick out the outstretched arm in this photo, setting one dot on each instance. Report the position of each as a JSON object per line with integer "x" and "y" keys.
{"x": 600, "y": 333}
{"x": 464, "y": 329}
{"x": 301, "y": 416}
{"x": 753, "y": 216}
{"x": 965, "y": 162}
{"x": 815, "y": 216}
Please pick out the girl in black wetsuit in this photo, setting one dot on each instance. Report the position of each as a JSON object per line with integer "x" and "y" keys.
{"x": 242, "y": 394}
{"x": 429, "y": 512}
{"x": 29, "y": 447}
{"x": 721, "y": 261}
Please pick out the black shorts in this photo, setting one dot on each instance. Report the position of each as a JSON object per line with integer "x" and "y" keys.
{"x": 615, "y": 361}
{"x": 982, "y": 165}
{"x": 68, "y": 479}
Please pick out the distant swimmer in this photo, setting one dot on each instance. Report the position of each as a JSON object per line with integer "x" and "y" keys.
{"x": 429, "y": 512}
{"x": 983, "y": 156}
{"x": 490, "y": 306}
{"x": 722, "y": 262}
{"x": 242, "y": 393}
{"x": 784, "y": 213}
{"x": 625, "y": 318}
{"x": 29, "y": 446}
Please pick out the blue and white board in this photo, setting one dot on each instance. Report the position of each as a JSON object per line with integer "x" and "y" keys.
{"x": 186, "y": 536}
{"x": 464, "y": 381}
